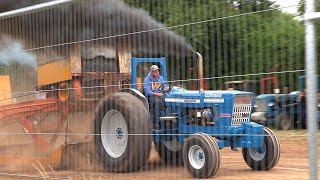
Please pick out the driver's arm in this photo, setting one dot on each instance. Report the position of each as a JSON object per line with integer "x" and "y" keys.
{"x": 164, "y": 85}
{"x": 147, "y": 88}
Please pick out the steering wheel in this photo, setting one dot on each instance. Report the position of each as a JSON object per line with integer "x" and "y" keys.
{"x": 163, "y": 91}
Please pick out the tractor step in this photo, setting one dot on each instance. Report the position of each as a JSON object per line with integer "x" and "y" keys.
{"x": 210, "y": 123}
{"x": 169, "y": 118}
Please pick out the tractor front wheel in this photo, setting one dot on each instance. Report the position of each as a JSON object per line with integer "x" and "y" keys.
{"x": 265, "y": 157}
{"x": 201, "y": 155}
{"x": 284, "y": 122}
{"x": 123, "y": 140}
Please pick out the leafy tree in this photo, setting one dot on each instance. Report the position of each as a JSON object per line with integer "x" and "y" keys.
{"x": 252, "y": 5}
{"x": 301, "y": 11}
{"x": 230, "y": 41}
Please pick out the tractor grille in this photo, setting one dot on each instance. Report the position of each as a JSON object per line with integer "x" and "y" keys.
{"x": 241, "y": 113}
{"x": 261, "y": 105}
{"x": 241, "y": 110}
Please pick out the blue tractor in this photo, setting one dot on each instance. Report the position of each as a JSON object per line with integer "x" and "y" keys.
{"x": 194, "y": 126}
{"x": 278, "y": 110}
{"x": 301, "y": 106}
{"x": 284, "y": 111}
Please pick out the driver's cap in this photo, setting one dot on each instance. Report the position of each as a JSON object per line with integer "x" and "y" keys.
{"x": 154, "y": 67}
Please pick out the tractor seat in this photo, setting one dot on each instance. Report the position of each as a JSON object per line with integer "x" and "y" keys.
{"x": 142, "y": 90}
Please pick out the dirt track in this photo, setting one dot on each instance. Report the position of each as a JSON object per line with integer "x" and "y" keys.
{"x": 293, "y": 164}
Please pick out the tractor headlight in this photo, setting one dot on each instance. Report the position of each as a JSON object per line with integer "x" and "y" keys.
{"x": 271, "y": 104}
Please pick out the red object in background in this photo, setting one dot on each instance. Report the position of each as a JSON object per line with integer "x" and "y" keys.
{"x": 205, "y": 85}
{"x": 264, "y": 84}
{"x": 193, "y": 82}
{"x": 192, "y": 85}
{"x": 77, "y": 88}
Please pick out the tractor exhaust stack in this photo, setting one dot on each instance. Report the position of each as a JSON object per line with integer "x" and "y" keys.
{"x": 200, "y": 72}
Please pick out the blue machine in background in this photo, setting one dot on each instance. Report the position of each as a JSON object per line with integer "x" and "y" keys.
{"x": 278, "y": 110}
{"x": 284, "y": 111}
{"x": 302, "y": 100}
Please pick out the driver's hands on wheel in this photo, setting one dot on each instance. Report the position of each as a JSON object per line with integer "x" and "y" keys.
{"x": 167, "y": 89}
{"x": 158, "y": 94}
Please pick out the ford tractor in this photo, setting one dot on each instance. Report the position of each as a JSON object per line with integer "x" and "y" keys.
{"x": 301, "y": 106}
{"x": 278, "y": 110}
{"x": 194, "y": 126}
{"x": 284, "y": 111}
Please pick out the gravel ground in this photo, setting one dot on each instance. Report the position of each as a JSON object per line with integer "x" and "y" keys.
{"x": 293, "y": 164}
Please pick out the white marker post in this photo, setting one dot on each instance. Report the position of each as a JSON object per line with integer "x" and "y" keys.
{"x": 311, "y": 77}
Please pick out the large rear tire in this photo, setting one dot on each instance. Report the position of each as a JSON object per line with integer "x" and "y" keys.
{"x": 265, "y": 158}
{"x": 123, "y": 140}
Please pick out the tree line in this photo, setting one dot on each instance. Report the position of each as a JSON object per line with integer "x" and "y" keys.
{"x": 235, "y": 37}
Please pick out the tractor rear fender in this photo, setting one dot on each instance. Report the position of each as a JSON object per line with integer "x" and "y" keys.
{"x": 137, "y": 94}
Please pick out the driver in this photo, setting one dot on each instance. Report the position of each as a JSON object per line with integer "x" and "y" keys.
{"x": 154, "y": 86}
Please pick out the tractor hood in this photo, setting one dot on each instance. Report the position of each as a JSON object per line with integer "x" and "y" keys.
{"x": 180, "y": 95}
{"x": 277, "y": 96}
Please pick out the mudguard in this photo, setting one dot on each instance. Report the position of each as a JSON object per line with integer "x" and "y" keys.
{"x": 137, "y": 94}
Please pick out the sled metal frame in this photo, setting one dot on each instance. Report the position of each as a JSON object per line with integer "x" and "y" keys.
{"x": 21, "y": 111}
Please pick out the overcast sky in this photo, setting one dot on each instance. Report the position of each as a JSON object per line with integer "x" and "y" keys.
{"x": 283, "y": 3}
{"x": 287, "y": 3}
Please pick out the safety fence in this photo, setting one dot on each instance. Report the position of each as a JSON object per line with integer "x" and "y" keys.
{"x": 153, "y": 89}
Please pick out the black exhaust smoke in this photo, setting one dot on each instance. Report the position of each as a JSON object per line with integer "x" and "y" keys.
{"x": 109, "y": 22}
